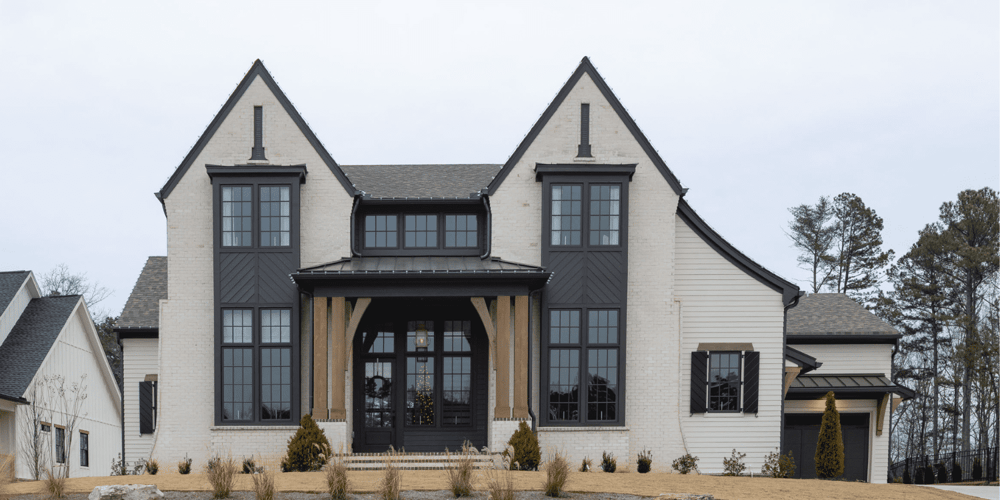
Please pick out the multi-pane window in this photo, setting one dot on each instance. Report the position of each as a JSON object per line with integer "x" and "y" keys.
{"x": 605, "y": 203}
{"x": 84, "y": 449}
{"x": 275, "y": 216}
{"x": 421, "y": 231}
{"x": 237, "y": 218}
{"x": 276, "y": 326}
{"x": 420, "y": 373}
{"x": 243, "y": 357}
{"x": 567, "y": 209}
{"x": 583, "y": 364}
{"x": 237, "y": 326}
{"x": 237, "y": 364}
{"x": 724, "y": 381}
{"x": 457, "y": 373}
{"x": 460, "y": 231}
{"x": 276, "y": 383}
{"x": 60, "y": 445}
{"x": 378, "y": 394}
{"x": 380, "y": 231}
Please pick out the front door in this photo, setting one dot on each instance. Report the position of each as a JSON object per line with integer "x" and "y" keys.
{"x": 420, "y": 378}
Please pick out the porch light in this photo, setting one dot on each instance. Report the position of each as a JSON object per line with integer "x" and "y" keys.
{"x": 421, "y": 341}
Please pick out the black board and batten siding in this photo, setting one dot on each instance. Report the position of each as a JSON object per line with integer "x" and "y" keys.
{"x": 584, "y": 277}
{"x": 256, "y": 277}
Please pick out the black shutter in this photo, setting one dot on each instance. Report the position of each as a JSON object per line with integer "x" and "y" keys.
{"x": 751, "y": 381}
{"x": 147, "y": 400}
{"x": 699, "y": 381}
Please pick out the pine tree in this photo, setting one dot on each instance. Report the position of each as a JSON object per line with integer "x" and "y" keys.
{"x": 859, "y": 259}
{"x": 811, "y": 233}
{"x": 830, "y": 446}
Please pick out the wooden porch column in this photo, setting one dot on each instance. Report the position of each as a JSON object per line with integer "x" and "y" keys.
{"x": 503, "y": 358}
{"x": 521, "y": 361}
{"x": 319, "y": 409}
{"x": 338, "y": 323}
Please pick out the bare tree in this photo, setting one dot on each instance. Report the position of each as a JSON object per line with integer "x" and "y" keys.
{"x": 68, "y": 401}
{"x": 34, "y": 443}
{"x": 60, "y": 281}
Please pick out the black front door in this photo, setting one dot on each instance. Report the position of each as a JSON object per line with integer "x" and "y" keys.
{"x": 420, "y": 377}
{"x": 802, "y": 434}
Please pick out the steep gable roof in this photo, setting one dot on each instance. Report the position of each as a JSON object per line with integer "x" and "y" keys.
{"x": 142, "y": 309}
{"x": 256, "y": 70}
{"x": 10, "y": 283}
{"x": 586, "y": 67}
{"x": 834, "y": 314}
{"x": 421, "y": 181}
{"x": 29, "y": 341}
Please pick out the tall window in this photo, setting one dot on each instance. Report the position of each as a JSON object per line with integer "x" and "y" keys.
{"x": 420, "y": 373}
{"x": 247, "y": 353}
{"x": 724, "y": 381}
{"x": 380, "y": 231}
{"x": 460, "y": 231}
{"x": 457, "y": 374}
{"x": 421, "y": 231}
{"x": 84, "y": 449}
{"x": 60, "y": 445}
{"x": 605, "y": 202}
{"x": 276, "y": 364}
{"x": 237, "y": 219}
{"x": 275, "y": 216}
{"x": 583, "y": 364}
{"x": 567, "y": 207}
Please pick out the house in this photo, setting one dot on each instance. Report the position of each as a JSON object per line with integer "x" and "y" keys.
{"x": 138, "y": 330}
{"x": 419, "y": 306}
{"x": 59, "y": 402}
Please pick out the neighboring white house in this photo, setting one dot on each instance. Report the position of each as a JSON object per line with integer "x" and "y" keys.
{"x": 42, "y": 340}
{"x": 572, "y": 287}
{"x": 138, "y": 330}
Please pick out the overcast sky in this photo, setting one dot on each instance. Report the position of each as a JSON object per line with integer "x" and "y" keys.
{"x": 755, "y": 106}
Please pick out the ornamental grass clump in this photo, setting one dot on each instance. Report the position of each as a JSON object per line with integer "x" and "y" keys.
{"x": 152, "y": 467}
{"x": 305, "y": 448}
{"x": 222, "y": 475}
{"x": 777, "y": 465}
{"x": 392, "y": 478}
{"x": 830, "y": 445}
{"x": 336, "y": 476}
{"x": 685, "y": 464}
{"x": 586, "y": 465}
{"x": 6, "y": 475}
{"x": 644, "y": 462}
{"x": 608, "y": 462}
{"x": 734, "y": 466}
{"x": 500, "y": 482}
{"x": 523, "y": 453}
{"x": 263, "y": 482}
{"x": 461, "y": 470}
{"x": 55, "y": 484}
{"x": 556, "y": 474}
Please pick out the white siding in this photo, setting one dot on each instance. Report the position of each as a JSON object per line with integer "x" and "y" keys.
{"x": 10, "y": 316}
{"x": 140, "y": 360}
{"x": 721, "y": 303}
{"x": 850, "y": 358}
{"x": 878, "y": 446}
{"x": 76, "y": 352}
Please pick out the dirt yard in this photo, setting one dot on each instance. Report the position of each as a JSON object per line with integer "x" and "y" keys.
{"x": 647, "y": 485}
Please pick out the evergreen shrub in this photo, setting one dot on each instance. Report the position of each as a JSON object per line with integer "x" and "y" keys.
{"x": 645, "y": 461}
{"x": 928, "y": 475}
{"x": 907, "y": 479}
{"x": 685, "y": 464}
{"x": 305, "y": 448}
{"x": 830, "y": 446}
{"x": 977, "y": 470}
{"x": 586, "y": 465}
{"x": 524, "y": 453}
{"x": 608, "y": 462}
{"x": 942, "y": 473}
{"x": 956, "y": 472}
{"x": 777, "y": 465}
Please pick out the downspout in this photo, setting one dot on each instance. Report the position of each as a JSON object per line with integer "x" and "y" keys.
{"x": 354, "y": 209}
{"x": 784, "y": 343}
{"x": 680, "y": 362}
{"x": 531, "y": 363}
{"x": 121, "y": 351}
{"x": 489, "y": 235}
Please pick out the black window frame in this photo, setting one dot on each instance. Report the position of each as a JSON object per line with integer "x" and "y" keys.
{"x": 259, "y": 214}
{"x": 583, "y": 347}
{"x": 257, "y": 347}
{"x": 84, "y": 449}
{"x": 60, "y": 455}
{"x": 740, "y": 355}
{"x": 439, "y": 211}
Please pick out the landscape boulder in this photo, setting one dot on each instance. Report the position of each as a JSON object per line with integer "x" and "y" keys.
{"x": 126, "y": 492}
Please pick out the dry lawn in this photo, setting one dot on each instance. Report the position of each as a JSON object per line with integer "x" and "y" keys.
{"x": 652, "y": 485}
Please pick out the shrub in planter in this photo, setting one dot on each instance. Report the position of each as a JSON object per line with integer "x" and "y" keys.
{"x": 524, "y": 453}
{"x": 942, "y": 473}
{"x": 777, "y": 465}
{"x": 645, "y": 461}
{"x": 685, "y": 464}
{"x": 956, "y": 472}
{"x": 734, "y": 466}
{"x": 608, "y": 462}
{"x": 305, "y": 448}
{"x": 977, "y": 470}
{"x": 830, "y": 445}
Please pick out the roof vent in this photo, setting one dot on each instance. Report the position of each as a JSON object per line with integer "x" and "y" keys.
{"x": 257, "y": 153}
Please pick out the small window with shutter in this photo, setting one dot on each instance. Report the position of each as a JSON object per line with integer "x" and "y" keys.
{"x": 725, "y": 381}
{"x": 147, "y": 407}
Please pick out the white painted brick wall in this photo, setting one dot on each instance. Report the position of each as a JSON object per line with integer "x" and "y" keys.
{"x": 268, "y": 443}
{"x": 578, "y": 443}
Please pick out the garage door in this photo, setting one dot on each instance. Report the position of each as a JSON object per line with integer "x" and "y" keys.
{"x": 802, "y": 433}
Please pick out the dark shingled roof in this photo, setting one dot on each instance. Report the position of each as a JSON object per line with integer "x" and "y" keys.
{"x": 421, "y": 181}
{"x": 10, "y": 283}
{"x": 834, "y": 314}
{"x": 29, "y": 341}
{"x": 142, "y": 310}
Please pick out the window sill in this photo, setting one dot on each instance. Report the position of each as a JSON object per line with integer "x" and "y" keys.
{"x": 253, "y": 427}
{"x": 585, "y": 428}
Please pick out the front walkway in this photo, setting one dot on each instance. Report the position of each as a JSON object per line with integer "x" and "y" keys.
{"x": 987, "y": 492}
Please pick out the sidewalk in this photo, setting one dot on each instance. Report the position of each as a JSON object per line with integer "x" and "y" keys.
{"x": 987, "y": 492}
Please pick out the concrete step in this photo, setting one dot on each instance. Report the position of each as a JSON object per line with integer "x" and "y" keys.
{"x": 417, "y": 461}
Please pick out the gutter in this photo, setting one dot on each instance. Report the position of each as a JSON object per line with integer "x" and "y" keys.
{"x": 488, "y": 226}
{"x": 21, "y": 401}
{"x": 354, "y": 209}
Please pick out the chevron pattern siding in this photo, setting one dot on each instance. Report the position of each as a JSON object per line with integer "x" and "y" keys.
{"x": 567, "y": 269}
{"x": 237, "y": 284}
{"x": 605, "y": 282}
{"x": 272, "y": 276}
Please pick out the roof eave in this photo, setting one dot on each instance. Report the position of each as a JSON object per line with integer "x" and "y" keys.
{"x": 879, "y": 338}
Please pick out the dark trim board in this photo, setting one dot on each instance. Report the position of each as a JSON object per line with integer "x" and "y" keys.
{"x": 257, "y": 69}
{"x": 137, "y": 333}
{"x": 258, "y": 171}
{"x": 15, "y": 399}
{"x": 543, "y": 169}
{"x": 805, "y": 361}
{"x": 874, "y": 338}
{"x": 586, "y": 67}
{"x": 473, "y": 285}
{"x": 788, "y": 290}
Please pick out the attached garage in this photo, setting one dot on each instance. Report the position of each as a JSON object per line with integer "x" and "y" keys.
{"x": 802, "y": 433}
